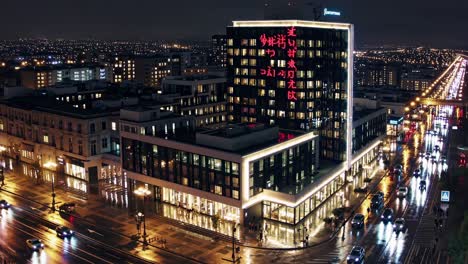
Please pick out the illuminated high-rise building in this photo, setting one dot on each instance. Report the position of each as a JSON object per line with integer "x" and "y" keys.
{"x": 295, "y": 74}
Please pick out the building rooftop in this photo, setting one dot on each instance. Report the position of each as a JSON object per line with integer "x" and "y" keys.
{"x": 189, "y": 136}
{"x": 358, "y": 114}
{"x": 197, "y": 77}
{"x": 49, "y": 104}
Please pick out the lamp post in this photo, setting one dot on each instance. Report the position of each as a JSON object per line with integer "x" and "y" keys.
{"x": 143, "y": 192}
{"x": 52, "y": 165}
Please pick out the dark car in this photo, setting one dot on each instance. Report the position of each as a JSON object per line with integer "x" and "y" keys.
{"x": 422, "y": 185}
{"x": 417, "y": 173}
{"x": 4, "y": 204}
{"x": 399, "y": 225}
{"x": 381, "y": 194}
{"x": 376, "y": 201}
{"x": 34, "y": 244}
{"x": 67, "y": 207}
{"x": 358, "y": 221}
{"x": 356, "y": 255}
{"x": 63, "y": 231}
{"x": 387, "y": 215}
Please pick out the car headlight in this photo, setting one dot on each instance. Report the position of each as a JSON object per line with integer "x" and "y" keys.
{"x": 394, "y": 226}
{"x": 34, "y": 246}
{"x": 389, "y": 217}
{"x": 357, "y": 259}
{"x": 348, "y": 258}
{"x": 42, "y": 245}
{"x": 401, "y": 226}
{"x": 381, "y": 216}
{"x": 64, "y": 233}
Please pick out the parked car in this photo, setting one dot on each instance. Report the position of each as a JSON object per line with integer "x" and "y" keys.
{"x": 67, "y": 207}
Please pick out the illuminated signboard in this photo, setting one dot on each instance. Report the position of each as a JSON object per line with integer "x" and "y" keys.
{"x": 327, "y": 12}
{"x": 274, "y": 44}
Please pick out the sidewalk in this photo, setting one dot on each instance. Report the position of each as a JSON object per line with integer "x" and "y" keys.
{"x": 459, "y": 191}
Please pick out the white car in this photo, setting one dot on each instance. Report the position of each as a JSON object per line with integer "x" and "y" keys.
{"x": 402, "y": 192}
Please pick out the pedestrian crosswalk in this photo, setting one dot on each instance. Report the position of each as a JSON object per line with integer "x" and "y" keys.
{"x": 325, "y": 258}
{"x": 425, "y": 233}
{"x": 426, "y": 255}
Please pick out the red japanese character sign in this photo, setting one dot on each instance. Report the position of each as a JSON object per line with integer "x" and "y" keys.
{"x": 282, "y": 44}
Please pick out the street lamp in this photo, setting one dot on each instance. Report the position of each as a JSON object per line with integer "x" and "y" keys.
{"x": 143, "y": 192}
{"x": 52, "y": 165}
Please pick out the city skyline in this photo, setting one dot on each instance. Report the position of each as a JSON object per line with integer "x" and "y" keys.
{"x": 396, "y": 22}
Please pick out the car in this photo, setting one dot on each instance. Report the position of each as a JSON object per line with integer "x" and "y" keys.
{"x": 67, "y": 207}
{"x": 4, "y": 204}
{"x": 428, "y": 155}
{"x": 444, "y": 159}
{"x": 34, "y": 244}
{"x": 399, "y": 167}
{"x": 358, "y": 221}
{"x": 381, "y": 194}
{"x": 387, "y": 215}
{"x": 356, "y": 255}
{"x": 437, "y": 148}
{"x": 417, "y": 173}
{"x": 376, "y": 201}
{"x": 63, "y": 231}
{"x": 421, "y": 154}
{"x": 399, "y": 225}
{"x": 402, "y": 192}
{"x": 422, "y": 185}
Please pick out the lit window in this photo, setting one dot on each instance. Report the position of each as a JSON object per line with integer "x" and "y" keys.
{"x": 46, "y": 139}
{"x": 114, "y": 126}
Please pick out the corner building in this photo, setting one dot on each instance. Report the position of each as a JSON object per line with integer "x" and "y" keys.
{"x": 294, "y": 74}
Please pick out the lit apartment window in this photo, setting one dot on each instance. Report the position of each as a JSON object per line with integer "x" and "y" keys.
{"x": 46, "y": 139}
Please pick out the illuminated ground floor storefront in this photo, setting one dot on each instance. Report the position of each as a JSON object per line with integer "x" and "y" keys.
{"x": 187, "y": 208}
{"x": 283, "y": 225}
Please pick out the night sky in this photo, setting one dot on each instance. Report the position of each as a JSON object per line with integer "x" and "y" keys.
{"x": 435, "y": 23}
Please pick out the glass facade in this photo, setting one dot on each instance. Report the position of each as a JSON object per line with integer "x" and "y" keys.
{"x": 197, "y": 171}
{"x": 291, "y": 215}
{"x": 262, "y": 72}
{"x": 369, "y": 130}
{"x": 289, "y": 171}
{"x": 201, "y": 205}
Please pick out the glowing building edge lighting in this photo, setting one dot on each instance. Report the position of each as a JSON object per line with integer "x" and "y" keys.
{"x": 349, "y": 112}
{"x": 290, "y": 200}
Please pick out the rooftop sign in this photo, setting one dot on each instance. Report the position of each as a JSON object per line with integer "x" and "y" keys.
{"x": 327, "y": 12}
